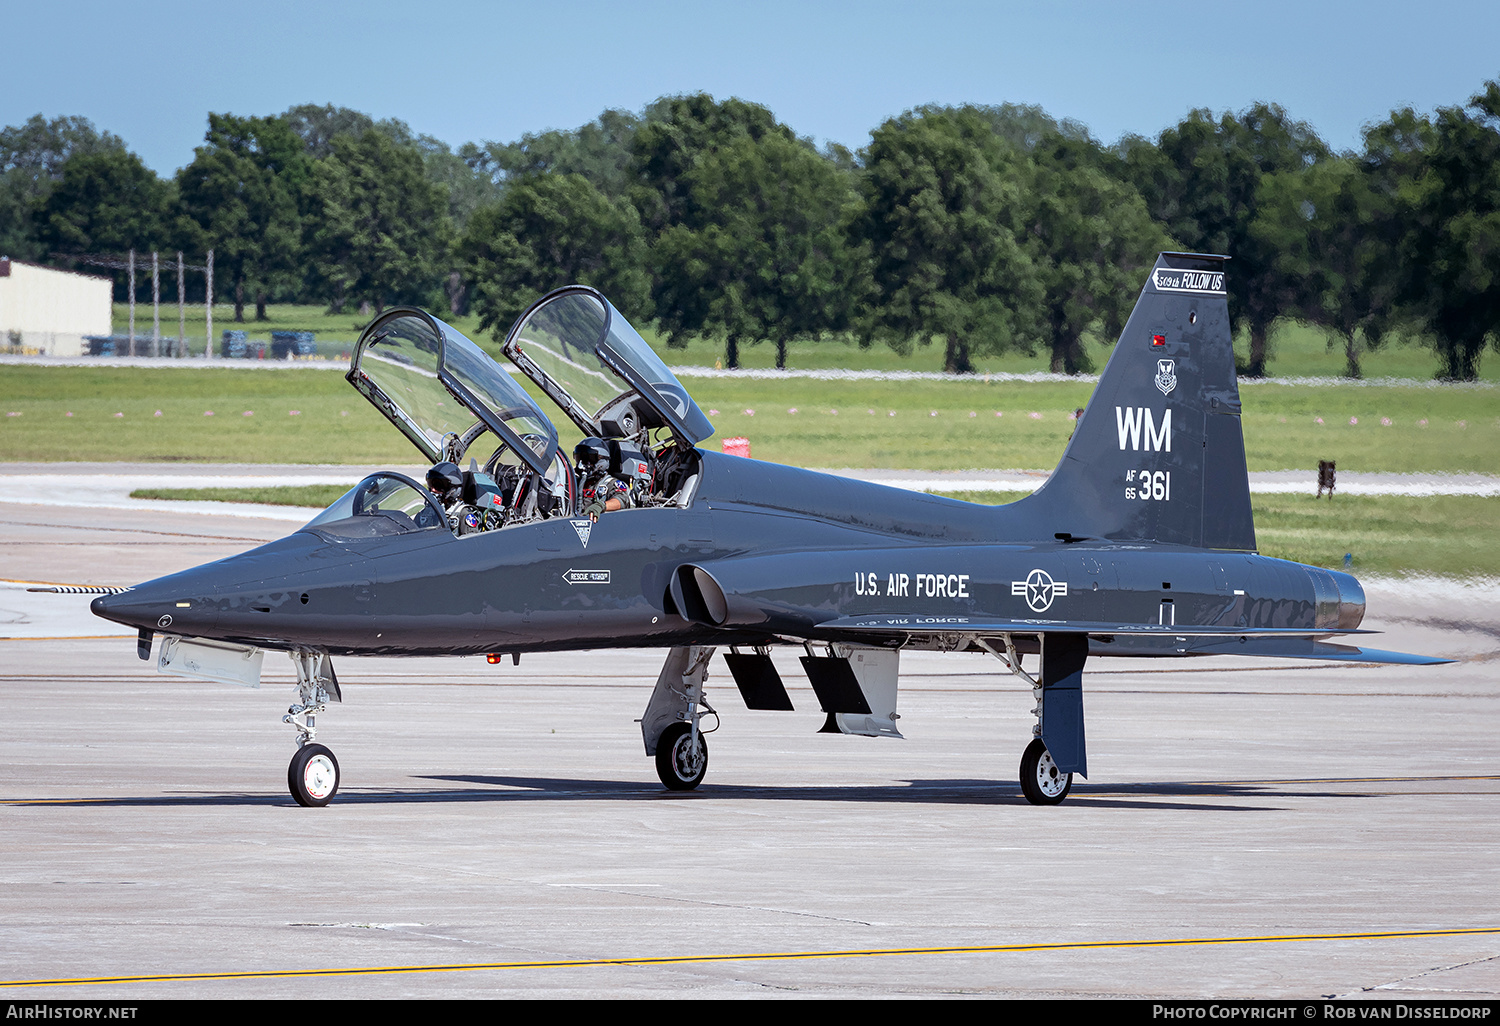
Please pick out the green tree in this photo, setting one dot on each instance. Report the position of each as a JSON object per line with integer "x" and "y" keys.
{"x": 378, "y": 228}
{"x": 241, "y": 198}
{"x": 468, "y": 187}
{"x": 551, "y": 230}
{"x": 945, "y": 208}
{"x": 105, "y": 202}
{"x": 317, "y": 125}
{"x": 774, "y": 262}
{"x": 599, "y": 151}
{"x": 1201, "y": 180}
{"x": 1331, "y": 232}
{"x": 32, "y": 158}
{"x": 1443, "y": 176}
{"x": 1091, "y": 241}
{"x": 676, "y": 134}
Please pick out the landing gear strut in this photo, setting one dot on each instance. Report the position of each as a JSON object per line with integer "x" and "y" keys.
{"x": 313, "y": 775}
{"x": 672, "y": 723}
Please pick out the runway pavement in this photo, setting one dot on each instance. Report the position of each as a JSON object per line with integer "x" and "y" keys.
{"x": 1252, "y": 829}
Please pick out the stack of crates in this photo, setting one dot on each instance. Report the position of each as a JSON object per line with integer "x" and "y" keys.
{"x": 233, "y": 344}
{"x": 288, "y": 344}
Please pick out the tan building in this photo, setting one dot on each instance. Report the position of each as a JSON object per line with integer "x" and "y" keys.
{"x": 48, "y": 312}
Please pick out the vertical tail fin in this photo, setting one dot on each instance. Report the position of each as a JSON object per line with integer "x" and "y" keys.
{"x": 1158, "y": 454}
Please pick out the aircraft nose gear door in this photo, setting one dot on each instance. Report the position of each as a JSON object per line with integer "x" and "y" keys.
{"x": 313, "y": 776}
{"x": 671, "y": 725}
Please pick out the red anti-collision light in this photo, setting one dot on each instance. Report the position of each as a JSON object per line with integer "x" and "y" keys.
{"x": 1158, "y": 340}
{"x": 492, "y": 658}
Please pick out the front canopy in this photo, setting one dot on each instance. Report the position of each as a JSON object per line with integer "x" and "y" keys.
{"x": 437, "y": 387}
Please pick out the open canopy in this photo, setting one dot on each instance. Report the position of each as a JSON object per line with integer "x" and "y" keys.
{"x": 585, "y": 355}
{"x": 436, "y": 386}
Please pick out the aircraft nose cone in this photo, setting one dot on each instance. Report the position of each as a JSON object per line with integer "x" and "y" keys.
{"x": 150, "y": 607}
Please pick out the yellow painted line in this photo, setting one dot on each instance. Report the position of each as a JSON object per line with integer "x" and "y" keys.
{"x": 780, "y": 956}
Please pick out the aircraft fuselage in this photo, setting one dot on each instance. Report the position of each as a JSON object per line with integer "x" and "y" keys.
{"x": 784, "y": 565}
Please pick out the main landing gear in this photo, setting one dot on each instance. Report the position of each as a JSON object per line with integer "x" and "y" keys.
{"x": 313, "y": 775}
{"x": 1057, "y": 749}
{"x": 672, "y": 723}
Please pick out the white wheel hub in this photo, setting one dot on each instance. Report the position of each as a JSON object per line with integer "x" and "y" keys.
{"x": 319, "y": 776}
{"x": 1048, "y": 779}
{"x": 687, "y": 757}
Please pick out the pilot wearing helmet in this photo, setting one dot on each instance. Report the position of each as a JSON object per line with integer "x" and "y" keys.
{"x": 598, "y": 491}
{"x": 446, "y": 481}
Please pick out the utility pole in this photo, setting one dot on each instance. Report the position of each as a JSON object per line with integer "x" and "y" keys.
{"x": 208, "y": 305}
{"x": 155, "y": 304}
{"x": 131, "y": 344}
{"x": 181, "y": 312}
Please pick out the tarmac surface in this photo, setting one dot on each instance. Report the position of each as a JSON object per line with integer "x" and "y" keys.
{"x": 1253, "y": 828}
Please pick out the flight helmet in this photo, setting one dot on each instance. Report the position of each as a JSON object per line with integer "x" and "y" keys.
{"x": 446, "y": 482}
{"x": 589, "y": 453}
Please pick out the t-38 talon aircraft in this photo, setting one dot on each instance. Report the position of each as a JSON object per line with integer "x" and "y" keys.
{"x": 1141, "y": 543}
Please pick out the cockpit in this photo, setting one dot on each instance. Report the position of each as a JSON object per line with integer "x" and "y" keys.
{"x": 455, "y": 405}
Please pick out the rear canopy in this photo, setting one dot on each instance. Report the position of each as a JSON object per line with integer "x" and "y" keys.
{"x": 588, "y": 359}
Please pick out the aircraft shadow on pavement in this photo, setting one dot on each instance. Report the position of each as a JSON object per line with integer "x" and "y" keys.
{"x": 1191, "y": 795}
{"x": 967, "y": 791}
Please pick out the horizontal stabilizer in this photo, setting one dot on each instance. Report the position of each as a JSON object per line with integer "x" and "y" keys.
{"x": 1297, "y": 648}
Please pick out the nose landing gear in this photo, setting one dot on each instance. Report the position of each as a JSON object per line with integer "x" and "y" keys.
{"x": 313, "y": 775}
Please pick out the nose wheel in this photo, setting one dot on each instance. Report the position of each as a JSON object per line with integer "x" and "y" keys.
{"x": 681, "y": 757}
{"x": 313, "y": 776}
{"x": 1041, "y": 781}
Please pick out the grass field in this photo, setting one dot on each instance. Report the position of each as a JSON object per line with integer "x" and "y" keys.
{"x": 313, "y": 416}
{"x": 315, "y": 496}
{"x": 1296, "y": 349}
{"x": 1446, "y": 535}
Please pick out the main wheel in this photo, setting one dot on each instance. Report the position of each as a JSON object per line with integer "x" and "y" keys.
{"x": 679, "y": 763}
{"x": 313, "y": 776}
{"x": 1041, "y": 781}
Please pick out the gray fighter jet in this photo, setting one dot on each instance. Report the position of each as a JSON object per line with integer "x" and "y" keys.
{"x": 1141, "y": 543}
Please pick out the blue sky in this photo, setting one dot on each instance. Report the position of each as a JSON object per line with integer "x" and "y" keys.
{"x": 463, "y": 70}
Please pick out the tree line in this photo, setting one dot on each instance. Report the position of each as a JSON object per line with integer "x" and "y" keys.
{"x": 981, "y": 229}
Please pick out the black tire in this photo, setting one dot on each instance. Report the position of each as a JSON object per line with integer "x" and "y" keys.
{"x": 313, "y": 776}
{"x": 1041, "y": 782}
{"x": 677, "y": 764}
